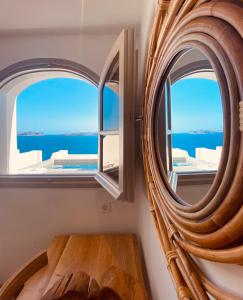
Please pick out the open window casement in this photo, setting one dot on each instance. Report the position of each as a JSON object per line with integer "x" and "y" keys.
{"x": 116, "y": 119}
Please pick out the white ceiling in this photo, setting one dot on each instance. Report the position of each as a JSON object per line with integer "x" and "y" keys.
{"x": 85, "y": 16}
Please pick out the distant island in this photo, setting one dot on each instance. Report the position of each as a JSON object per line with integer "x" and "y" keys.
{"x": 34, "y": 133}
{"x": 204, "y": 131}
{"x": 81, "y": 134}
{"x": 198, "y": 132}
{"x": 31, "y": 133}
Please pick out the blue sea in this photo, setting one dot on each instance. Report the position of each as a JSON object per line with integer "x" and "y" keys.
{"x": 191, "y": 141}
{"x": 53, "y": 143}
{"x": 89, "y": 144}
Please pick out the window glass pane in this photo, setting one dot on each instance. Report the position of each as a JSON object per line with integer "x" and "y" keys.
{"x": 111, "y": 156}
{"x": 111, "y": 98}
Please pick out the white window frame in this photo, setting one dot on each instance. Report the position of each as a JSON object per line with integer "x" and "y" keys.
{"x": 125, "y": 189}
{"x": 37, "y": 67}
{"x": 124, "y": 50}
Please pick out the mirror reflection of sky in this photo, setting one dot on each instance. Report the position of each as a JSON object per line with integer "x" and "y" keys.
{"x": 60, "y": 105}
{"x": 110, "y": 109}
{"x": 196, "y": 105}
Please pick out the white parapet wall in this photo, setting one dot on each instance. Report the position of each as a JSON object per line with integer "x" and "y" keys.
{"x": 205, "y": 159}
{"x": 209, "y": 155}
{"x": 61, "y": 154}
{"x": 25, "y": 160}
{"x": 62, "y": 157}
{"x": 179, "y": 155}
{"x": 31, "y": 162}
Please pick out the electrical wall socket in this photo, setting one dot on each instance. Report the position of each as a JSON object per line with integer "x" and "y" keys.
{"x": 104, "y": 206}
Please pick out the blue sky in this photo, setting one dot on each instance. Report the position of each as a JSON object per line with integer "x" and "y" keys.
{"x": 60, "y": 105}
{"x": 110, "y": 109}
{"x": 65, "y": 105}
{"x": 196, "y": 105}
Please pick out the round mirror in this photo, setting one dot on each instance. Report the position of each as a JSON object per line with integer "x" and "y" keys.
{"x": 189, "y": 125}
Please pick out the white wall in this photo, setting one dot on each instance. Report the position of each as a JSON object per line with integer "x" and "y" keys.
{"x": 159, "y": 279}
{"x": 89, "y": 50}
{"x": 30, "y": 218}
{"x": 227, "y": 277}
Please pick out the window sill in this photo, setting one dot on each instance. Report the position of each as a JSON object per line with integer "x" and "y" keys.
{"x": 195, "y": 178}
{"x": 49, "y": 181}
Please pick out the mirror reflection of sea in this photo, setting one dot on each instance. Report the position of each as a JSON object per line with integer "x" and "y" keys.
{"x": 191, "y": 141}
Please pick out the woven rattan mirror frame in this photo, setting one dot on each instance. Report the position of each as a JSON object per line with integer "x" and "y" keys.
{"x": 213, "y": 228}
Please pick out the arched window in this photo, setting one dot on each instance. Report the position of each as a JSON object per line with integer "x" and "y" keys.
{"x": 63, "y": 125}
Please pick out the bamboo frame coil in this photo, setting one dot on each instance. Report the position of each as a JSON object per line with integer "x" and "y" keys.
{"x": 212, "y": 229}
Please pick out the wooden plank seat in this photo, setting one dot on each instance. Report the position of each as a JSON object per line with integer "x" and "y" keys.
{"x": 15, "y": 284}
{"x": 92, "y": 267}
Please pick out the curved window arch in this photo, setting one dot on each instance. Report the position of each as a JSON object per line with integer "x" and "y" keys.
{"x": 18, "y": 78}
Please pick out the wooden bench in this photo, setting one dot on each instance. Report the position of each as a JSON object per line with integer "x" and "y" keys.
{"x": 100, "y": 267}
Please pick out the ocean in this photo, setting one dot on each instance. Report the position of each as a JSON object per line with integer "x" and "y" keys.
{"x": 53, "y": 143}
{"x": 191, "y": 141}
{"x": 89, "y": 144}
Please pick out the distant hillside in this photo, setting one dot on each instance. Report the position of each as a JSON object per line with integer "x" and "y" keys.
{"x": 31, "y": 133}
{"x": 34, "y": 133}
{"x": 81, "y": 134}
{"x": 198, "y": 132}
{"x": 204, "y": 131}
